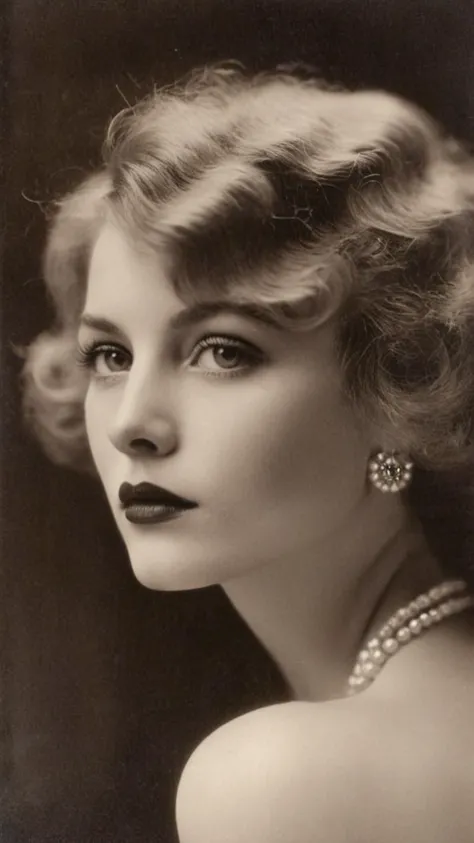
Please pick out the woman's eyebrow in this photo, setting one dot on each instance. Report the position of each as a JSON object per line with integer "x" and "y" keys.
{"x": 190, "y": 316}
{"x": 197, "y": 312}
{"x": 99, "y": 323}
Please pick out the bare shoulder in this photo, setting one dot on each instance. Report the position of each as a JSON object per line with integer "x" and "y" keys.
{"x": 342, "y": 772}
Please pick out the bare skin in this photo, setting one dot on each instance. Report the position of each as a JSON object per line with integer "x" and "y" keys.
{"x": 395, "y": 762}
{"x": 311, "y": 555}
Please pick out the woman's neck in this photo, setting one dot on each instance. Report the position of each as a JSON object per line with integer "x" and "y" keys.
{"x": 313, "y": 614}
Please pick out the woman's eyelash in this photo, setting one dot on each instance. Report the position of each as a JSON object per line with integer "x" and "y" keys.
{"x": 248, "y": 351}
{"x": 87, "y": 354}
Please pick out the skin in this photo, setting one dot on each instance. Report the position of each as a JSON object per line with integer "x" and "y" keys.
{"x": 309, "y": 552}
{"x": 312, "y": 556}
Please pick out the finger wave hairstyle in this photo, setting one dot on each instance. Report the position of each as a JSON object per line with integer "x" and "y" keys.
{"x": 283, "y": 193}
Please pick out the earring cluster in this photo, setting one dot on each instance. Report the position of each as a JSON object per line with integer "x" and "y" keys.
{"x": 390, "y": 472}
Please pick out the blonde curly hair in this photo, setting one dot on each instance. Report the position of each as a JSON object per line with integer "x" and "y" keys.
{"x": 296, "y": 196}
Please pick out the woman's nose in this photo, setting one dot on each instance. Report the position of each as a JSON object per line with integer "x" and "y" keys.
{"x": 143, "y": 424}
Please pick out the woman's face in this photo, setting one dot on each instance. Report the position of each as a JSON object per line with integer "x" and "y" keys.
{"x": 257, "y": 433}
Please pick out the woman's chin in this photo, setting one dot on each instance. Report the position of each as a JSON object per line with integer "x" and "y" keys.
{"x": 165, "y": 574}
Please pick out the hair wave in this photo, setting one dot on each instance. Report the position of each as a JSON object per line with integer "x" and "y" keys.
{"x": 305, "y": 199}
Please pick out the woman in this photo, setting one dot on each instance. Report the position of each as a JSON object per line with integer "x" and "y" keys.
{"x": 269, "y": 290}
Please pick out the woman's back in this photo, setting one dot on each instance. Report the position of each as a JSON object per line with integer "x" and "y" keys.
{"x": 395, "y": 763}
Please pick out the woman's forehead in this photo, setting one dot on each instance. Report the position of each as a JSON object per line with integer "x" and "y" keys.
{"x": 121, "y": 263}
{"x": 117, "y": 259}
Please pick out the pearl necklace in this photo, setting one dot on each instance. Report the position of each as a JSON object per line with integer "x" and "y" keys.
{"x": 406, "y": 624}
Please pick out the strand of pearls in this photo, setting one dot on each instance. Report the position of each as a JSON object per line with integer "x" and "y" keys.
{"x": 407, "y": 623}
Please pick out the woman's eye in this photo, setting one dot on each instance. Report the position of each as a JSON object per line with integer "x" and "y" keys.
{"x": 103, "y": 359}
{"x": 225, "y": 355}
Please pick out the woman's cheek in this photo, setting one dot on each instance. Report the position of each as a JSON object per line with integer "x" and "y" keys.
{"x": 310, "y": 447}
{"x": 96, "y": 417}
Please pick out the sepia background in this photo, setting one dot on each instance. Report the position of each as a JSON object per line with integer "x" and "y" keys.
{"x": 106, "y": 687}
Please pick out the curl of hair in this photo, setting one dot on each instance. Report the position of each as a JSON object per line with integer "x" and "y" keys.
{"x": 53, "y": 385}
{"x": 307, "y": 200}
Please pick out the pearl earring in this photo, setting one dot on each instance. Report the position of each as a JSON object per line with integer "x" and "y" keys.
{"x": 390, "y": 472}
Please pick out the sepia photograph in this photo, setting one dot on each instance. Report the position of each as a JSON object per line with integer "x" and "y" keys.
{"x": 237, "y": 421}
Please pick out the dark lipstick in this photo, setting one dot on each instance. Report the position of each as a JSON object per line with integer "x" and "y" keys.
{"x": 147, "y": 503}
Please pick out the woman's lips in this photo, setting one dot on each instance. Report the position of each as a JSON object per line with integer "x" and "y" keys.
{"x": 152, "y": 513}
